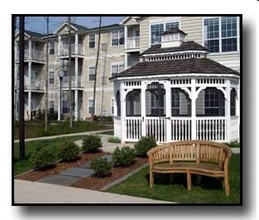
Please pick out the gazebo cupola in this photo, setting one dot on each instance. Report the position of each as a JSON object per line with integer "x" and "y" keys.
{"x": 176, "y": 93}
{"x": 172, "y": 38}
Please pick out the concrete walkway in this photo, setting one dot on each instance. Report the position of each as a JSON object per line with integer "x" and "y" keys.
{"x": 64, "y": 135}
{"x": 26, "y": 192}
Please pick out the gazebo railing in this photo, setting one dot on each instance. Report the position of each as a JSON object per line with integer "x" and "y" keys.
{"x": 156, "y": 126}
{"x": 181, "y": 129}
{"x": 133, "y": 128}
{"x": 211, "y": 128}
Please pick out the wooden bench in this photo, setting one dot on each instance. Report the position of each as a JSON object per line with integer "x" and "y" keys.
{"x": 191, "y": 157}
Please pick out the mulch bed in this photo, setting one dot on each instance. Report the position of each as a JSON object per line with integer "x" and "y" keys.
{"x": 59, "y": 167}
{"x": 96, "y": 183}
{"x": 91, "y": 182}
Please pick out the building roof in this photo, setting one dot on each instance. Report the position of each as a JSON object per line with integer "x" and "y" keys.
{"x": 185, "y": 46}
{"x": 79, "y": 26}
{"x": 178, "y": 66}
{"x": 173, "y": 31}
{"x": 106, "y": 27}
{"x": 33, "y": 34}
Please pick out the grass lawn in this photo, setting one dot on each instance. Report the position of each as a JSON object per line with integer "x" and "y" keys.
{"x": 36, "y": 128}
{"x": 53, "y": 144}
{"x": 205, "y": 190}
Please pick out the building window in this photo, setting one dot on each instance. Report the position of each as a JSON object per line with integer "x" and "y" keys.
{"x": 51, "y": 78}
{"x": 52, "y": 47}
{"x": 117, "y": 68}
{"x": 214, "y": 102}
{"x": 233, "y": 95}
{"x": 157, "y": 29}
{"x": 51, "y": 106}
{"x": 91, "y": 40}
{"x": 65, "y": 108}
{"x": 118, "y": 37}
{"x": 91, "y": 73}
{"x": 221, "y": 34}
{"x": 90, "y": 106}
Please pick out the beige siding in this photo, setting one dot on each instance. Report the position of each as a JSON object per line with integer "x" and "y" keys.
{"x": 231, "y": 60}
{"x": 188, "y": 24}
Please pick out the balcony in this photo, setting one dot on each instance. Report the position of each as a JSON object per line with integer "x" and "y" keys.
{"x": 34, "y": 86}
{"x": 132, "y": 43}
{"x": 35, "y": 55}
{"x": 75, "y": 82}
{"x": 76, "y": 49}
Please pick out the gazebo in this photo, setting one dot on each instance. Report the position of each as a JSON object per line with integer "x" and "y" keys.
{"x": 176, "y": 93}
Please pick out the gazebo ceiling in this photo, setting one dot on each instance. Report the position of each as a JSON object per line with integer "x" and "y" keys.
{"x": 178, "y": 66}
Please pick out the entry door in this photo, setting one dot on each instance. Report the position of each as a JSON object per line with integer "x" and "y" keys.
{"x": 155, "y": 122}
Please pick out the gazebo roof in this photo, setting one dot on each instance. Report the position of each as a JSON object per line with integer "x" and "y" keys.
{"x": 185, "y": 46}
{"x": 178, "y": 66}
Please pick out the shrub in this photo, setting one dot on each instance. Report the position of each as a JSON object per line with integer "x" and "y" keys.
{"x": 69, "y": 151}
{"x": 144, "y": 145}
{"x": 123, "y": 157}
{"x": 114, "y": 140}
{"x": 42, "y": 158}
{"x": 101, "y": 167}
{"x": 91, "y": 143}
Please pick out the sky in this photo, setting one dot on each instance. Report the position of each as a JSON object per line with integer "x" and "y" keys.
{"x": 38, "y": 24}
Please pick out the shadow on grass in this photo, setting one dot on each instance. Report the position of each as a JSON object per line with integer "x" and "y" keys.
{"x": 204, "y": 182}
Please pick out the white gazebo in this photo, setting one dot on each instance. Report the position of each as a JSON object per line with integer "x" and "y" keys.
{"x": 176, "y": 93}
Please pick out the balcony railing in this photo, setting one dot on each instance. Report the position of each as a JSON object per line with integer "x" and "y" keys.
{"x": 76, "y": 49}
{"x": 35, "y": 85}
{"x": 133, "y": 43}
{"x": 75, "y": 82}
{"x": 36, "y": 55}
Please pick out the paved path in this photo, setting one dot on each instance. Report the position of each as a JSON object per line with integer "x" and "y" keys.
{"x": 35, "y": 192}
{"x": 64, "y": 135}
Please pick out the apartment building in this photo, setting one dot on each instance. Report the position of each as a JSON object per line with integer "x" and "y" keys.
{"x": 120, "y": 47}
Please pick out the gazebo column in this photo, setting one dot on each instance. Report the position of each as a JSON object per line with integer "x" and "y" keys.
{"x": 193, "y": 98}
{"x": 143, "y": 106}
{"x": 238, "y": 110}
{"x": 227, "y": 111}
{"x": 123, "y": 112}
{"x": 168, "y": 105}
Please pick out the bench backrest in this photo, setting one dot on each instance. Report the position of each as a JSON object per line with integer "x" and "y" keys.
{"x": 199, "y": 151}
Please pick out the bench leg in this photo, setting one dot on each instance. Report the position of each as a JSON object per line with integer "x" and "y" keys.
{"x": 226, "y": 183}
{"x": 151, "y": 179}
{"x": 189, "y": 180}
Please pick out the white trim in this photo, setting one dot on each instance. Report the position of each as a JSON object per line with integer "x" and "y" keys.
{"x": 160, "y": 77}
{"x": 64, "y": 24}
{"x": 177, "y": 52}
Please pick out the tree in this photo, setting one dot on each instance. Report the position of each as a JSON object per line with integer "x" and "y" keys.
{"x": 96, "y": 65}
